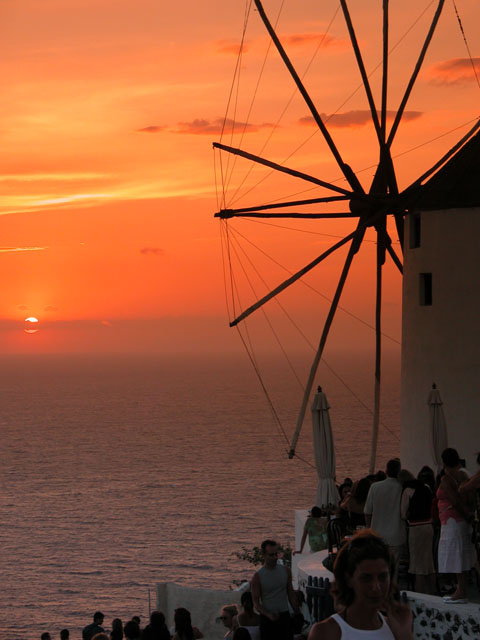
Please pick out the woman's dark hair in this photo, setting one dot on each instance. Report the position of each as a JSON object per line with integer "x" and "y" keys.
{"x": 478, "y": 457}
{"x": 131, "y": 630}
{"x": 183, "y": 623}
{"x": 157, "y": 619}
{"x": 427, "y": 476}
{"x": 117, "y": 629}
{"x": 361, "y": 490}
{"x": 343, "y": 486}
{"x": 316, "y": 512}
{"x": 365, "y": 545}
{"x": 246, "y": 600}
{"x": 450, "y": 457}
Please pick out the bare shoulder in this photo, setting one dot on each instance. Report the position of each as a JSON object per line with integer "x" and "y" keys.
{"x": 326, "y": 630}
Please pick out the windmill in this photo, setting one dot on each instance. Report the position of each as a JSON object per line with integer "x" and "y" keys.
{"x": 369, "y": 208}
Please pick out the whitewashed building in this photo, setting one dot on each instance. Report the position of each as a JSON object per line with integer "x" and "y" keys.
{"x": 441, "y": 310}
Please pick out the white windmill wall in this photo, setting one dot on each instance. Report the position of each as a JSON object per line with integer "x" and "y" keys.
{"x": 441, "y": 341}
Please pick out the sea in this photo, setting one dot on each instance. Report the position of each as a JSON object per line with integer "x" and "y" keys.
{"x": 121, "y": 471}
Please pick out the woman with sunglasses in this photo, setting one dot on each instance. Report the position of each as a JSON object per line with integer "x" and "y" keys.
{"x": 363, "y": 589}
{"x": 227, "y": 616}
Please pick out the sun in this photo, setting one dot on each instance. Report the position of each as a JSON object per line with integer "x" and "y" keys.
{"x": 31, "y": 325}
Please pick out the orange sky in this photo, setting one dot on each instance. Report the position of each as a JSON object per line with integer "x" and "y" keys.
{"x": 108, "y": 112}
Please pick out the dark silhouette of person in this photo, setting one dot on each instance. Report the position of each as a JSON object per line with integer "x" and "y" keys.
{"x": 157, "y": 629}
{"x": 95, "y": 627}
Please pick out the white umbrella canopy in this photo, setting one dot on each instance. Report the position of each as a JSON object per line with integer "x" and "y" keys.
{"x": 324, "y": 450}
{"x": 438, "y": 426}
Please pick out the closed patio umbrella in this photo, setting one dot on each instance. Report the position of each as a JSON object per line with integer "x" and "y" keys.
{"x": 438, "y": 426}
{"x": 324, "y": 450}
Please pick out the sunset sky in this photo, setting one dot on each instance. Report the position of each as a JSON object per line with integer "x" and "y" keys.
{"x": 108, "y": 114}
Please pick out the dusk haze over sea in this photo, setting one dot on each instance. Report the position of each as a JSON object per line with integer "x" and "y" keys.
{"x": 138, "y": 439}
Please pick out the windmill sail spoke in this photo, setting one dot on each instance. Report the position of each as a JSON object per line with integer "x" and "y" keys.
{"x": 383, "y": 119}
{"x": 356, "y": 241}
{"x": 228, "y": 213}
{"x": 292, "y": 172}
{"x": 400, "y": 225}
{"x": 395, "y": 258}
{"x": 378, "y": 352}
{"x": 346, "y": 170}
{"x": 281, "y": 205}
{"x": 415, "y": 73}
{"x": 363, "y": 73}
{"x": 292, "y": 279}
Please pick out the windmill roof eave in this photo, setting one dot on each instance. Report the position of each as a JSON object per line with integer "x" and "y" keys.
{"x": 456, "y": 184}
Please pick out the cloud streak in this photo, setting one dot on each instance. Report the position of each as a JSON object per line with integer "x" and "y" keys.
{"x": 231, "y": 47}
{"x": 353, "y": 119}
{"x": 154, "y": 128}
{"x": 15, "y": 249}
{"x": 201, "y": 127}
{"x": 326, "y": 41}
{"x": 153, "y": 251}
{"x": 455, "y": 71}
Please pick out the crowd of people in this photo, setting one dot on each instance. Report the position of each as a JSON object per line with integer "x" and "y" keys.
{"x": 431, "y": 522}
{"x": 156, "y": 629}
{"x": 383, "y": 517}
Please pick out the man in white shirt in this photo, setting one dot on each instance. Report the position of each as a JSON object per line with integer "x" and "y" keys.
{"x": 382, "y": 510}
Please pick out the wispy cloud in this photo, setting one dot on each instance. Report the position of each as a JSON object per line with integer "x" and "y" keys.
{"x": 14, "y": 249}
{"x": 231, "y": 47}
{"x": 211, "y": 127}
{"x": 52, "y": 177}
{"x": 50, "y": 308}
{"x": 72, "y": 198}
{"x": 155, "y": 251}
{"x": 454, "y": 71}
{"x": 154, "y": 128}
{"x": 327, "y": 41}
{"x": 357, "y": 118}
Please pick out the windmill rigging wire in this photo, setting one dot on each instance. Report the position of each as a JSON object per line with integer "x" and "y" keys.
{"x": 215, "y": 174}
{"x": 371, "y": 166}
{"x": 331, "y": 369}
{"x": 231, "y": 270}
{"x": 235, "y": 291}
{"x": 262, "y": 384}
{"x": 289, "y": 101}
{"x": 229, "y": 237}
{"x": 235, "y": 83}
{"x": 302, "y": 144}
{"x": 247, "y": 120}
{"x": 308, "y": 231}
{"x": 224, "y": 247}
{"x": 251, "y": 354}
{"x": 364, "y": 322}
{"x": 292, "y": 368}
{"x": 466, "y": 44}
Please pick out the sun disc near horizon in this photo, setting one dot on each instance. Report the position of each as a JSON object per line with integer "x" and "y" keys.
{"x": 30, "y": 324}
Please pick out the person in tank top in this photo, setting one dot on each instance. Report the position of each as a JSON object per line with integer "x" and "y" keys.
{"x": 247, "y": 618}
{"x": 272, "y": 590}
{"x": 363, "y": 589}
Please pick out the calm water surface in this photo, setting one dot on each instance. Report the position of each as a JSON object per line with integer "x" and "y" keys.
{"x": 119, "y": 472}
